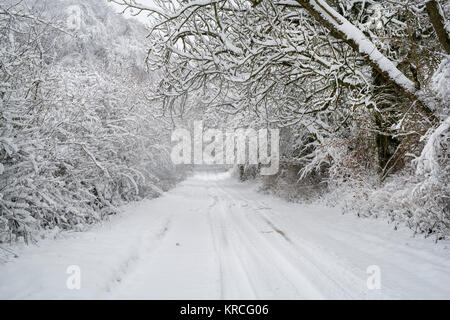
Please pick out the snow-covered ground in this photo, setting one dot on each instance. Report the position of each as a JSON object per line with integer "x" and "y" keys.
{"x": 215, "y": 238}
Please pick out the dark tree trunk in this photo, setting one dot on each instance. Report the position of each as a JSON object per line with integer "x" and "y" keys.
{"x": 386, "y": 143}
{"x": 438, "y": 24}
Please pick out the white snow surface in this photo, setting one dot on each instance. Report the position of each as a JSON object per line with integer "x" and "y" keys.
{"x": 213, "y": 237}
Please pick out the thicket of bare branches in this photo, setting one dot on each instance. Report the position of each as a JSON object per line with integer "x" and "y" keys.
{"x": 352, "y": 80}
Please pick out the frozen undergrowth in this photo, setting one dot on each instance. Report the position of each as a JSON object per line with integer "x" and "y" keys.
{"x": 79, "y": 134}
{"x": 417, "y": 197}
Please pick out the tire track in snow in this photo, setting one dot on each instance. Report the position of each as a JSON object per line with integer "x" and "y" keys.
{"x": 216, "y": 244}
{"x": 143, "y": 248}
{"x": 234, "y": 278}
{"x": 338, "y": 276}
{"x": 307, "y": 260}
{"x": 270, "y": 272}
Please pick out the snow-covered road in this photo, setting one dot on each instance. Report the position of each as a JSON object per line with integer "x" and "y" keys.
{"x": 215, "y": 238}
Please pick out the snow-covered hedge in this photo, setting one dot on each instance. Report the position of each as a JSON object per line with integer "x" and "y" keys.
{"x": 79, "y": 134}
{"x": 419, "y": 198}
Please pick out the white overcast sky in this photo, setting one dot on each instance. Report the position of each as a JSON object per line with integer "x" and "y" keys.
{"x": 142, "y": 17}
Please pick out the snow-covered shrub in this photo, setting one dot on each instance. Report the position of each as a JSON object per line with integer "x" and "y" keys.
{"x": 432, "y": 195}
{"x": 440, "y": 84}
{"x": 418, "y": 198}
{"x": 78, "y": 133}
{"x": 286, "y": 184}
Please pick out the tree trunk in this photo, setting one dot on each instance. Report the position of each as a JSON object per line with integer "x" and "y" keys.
{"x": 437, "y": 20}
